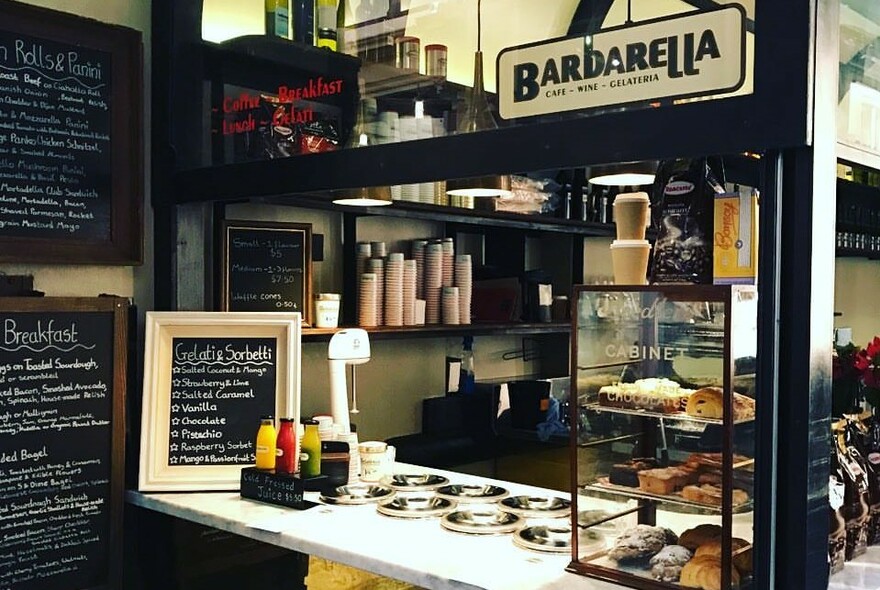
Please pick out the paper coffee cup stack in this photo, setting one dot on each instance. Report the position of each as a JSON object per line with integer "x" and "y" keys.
{"x": 629, "y": 252}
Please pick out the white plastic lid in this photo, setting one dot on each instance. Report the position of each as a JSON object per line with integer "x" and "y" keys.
{"x": 373, "y": 446}
{"x": 640, "y": 197}
{"x": 329, "y": 296}
{"x": 630, "y": 244}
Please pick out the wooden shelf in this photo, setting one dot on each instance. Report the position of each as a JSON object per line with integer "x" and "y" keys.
{"x": 439, "y": 330}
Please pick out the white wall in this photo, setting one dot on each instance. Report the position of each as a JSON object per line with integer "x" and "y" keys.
{"x": 856, "y": 289}
{"x": 88, "y": 280}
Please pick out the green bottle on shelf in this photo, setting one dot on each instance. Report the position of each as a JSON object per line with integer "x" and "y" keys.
{"x": 278, "y": 18}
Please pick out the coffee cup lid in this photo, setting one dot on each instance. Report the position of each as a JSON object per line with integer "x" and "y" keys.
{"x": 630, "y": 244}
{"x": 641, "y": 197}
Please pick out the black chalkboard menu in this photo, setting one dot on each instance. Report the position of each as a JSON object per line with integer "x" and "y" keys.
{"x": 70, "y": 148}
{"x": 267, "y": 267}
{"x": 220, "y": 387}
{"x": 62, "y": 383}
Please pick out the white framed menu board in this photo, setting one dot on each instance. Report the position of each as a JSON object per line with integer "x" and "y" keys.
{"x": 208, "y": 378}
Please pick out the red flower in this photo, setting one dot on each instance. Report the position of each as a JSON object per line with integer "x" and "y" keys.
{"x": 861, "y": 360}
{"x": 873, "y": 347}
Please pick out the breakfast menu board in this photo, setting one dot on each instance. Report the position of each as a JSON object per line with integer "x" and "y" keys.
{"x": 70, "y": 169}
{"x": 57, "y": 433}
{"x": 220, "y": 387}
{"x": 267, "y": 267}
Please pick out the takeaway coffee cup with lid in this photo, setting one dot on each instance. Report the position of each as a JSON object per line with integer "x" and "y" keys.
{"x": 631, "y": 215}
{"x": 630, "y": 261}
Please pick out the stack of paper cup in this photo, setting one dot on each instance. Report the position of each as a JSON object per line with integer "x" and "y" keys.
{"x": 367, "y": 301}
{"x": 465, "y": 283}
{"x": 409, "y": 131}
{"x": 433, "y": 281}
{"x": 376, "y": 266}
{"x": 362, "y": 253}
{"x": 424, "y": 130}
{"x": 409, "y": 293}
{"x": 450, "y": 306}
{"x": 394, "y": 290}
{"x": 440, "y": 196}
{"x": 448, "y": 261}
{"x": 630, "y": 251}
{"x": 631, "y": 215}
{"x": 418, "y": 250}
{"x": 629, "y": 258}
{"x": 378, "y": 249}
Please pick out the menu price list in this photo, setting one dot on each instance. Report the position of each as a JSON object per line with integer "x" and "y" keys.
{"x": 55, "y": 156}
{"x": 219, "y": 389}
{"x": 266, "y": 269}
{"x": 55, "y": 438}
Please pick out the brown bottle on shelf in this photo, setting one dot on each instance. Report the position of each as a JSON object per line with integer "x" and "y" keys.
{"x": 855, "y": 502}
{"x": 837, "y": 525}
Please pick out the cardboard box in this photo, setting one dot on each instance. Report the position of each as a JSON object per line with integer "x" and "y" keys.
{"x": 736, "y": 238}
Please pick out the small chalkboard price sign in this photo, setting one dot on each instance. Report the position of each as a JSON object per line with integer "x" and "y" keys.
{"x": 208, "y": 378}
{"x": 70, "y": 139}
{"x": 267, "y": 267}
{"x": 62, "y": 388}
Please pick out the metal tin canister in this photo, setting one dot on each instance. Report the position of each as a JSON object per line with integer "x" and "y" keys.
{"x": 407, "y": 51}
{"x": 435, "y": 60}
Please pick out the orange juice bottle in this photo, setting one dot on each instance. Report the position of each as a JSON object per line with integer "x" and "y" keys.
{"x": 266, "y": 443}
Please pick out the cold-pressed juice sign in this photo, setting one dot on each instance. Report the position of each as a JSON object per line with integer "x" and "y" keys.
{"x": 694, "y": 55}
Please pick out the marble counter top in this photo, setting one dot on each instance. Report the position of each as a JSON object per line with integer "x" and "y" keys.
{"x": 862, "y": 573}
{"x": 419, "y": 552}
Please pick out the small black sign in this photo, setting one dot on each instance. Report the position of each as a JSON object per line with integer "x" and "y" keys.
{"x": 57, "y": 435}
{"x": 219, "y": 389}
{"x": 267, "y": 267}
{"x": 274, "y": 488}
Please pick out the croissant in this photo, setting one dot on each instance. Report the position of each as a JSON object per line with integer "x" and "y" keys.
{"x": 704, "y": 572}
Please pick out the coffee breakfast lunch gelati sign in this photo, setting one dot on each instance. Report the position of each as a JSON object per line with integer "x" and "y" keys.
{"x": 697, "y": 54}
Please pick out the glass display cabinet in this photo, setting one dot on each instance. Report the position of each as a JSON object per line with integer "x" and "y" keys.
{"x": 666, "y": 374}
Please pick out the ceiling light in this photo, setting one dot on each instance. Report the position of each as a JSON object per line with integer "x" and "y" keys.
{"x": 480, "y": 186}
{"x": 374, "y": 196}
{"x": 626, "y": 174}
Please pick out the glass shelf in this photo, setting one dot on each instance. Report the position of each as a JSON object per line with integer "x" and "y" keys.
{"x": 678, "y": 417}
{"x": 602, "y": 485}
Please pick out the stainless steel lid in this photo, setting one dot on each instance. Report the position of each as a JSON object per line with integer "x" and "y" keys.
{"x": 555, "y": 537}
{"x": 472, "y": 493}
{"x": 537, "y": 506}
{"x": 416, "y": 506}
{"x": 481, "y": 520}
{"x": 357, "y": 494}
{"x": 414, "y": 482}
{"x": 548, "y": 538}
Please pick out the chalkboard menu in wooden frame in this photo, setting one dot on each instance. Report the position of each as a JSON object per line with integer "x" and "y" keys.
{"x": 71, "y": 149}
{"x": 208, "y": 378}
{"x": 62, "y": 442}
{"x": 267, "y": 267}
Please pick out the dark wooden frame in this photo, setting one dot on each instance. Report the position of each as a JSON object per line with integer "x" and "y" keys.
{"x": 279, "y": 226}
{"x": 709, "y": 293}
{"x": 118, "y": 307}
{"x": 125, "y": 245}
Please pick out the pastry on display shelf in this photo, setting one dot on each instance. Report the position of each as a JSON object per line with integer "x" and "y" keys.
{"x": 666, "y": 480}
{"x": 708, "y": 493}
{"x": 708, "y": 402}
{"x": 666, "y": 565}
{"x": 741, "y": 561}
{"x": 640, "y": 542}
{"x": 700, "y": 534}
{"x": 704, "y": 572}
{"x": 627, "y": 474}
{"x": 654, "y": 394}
